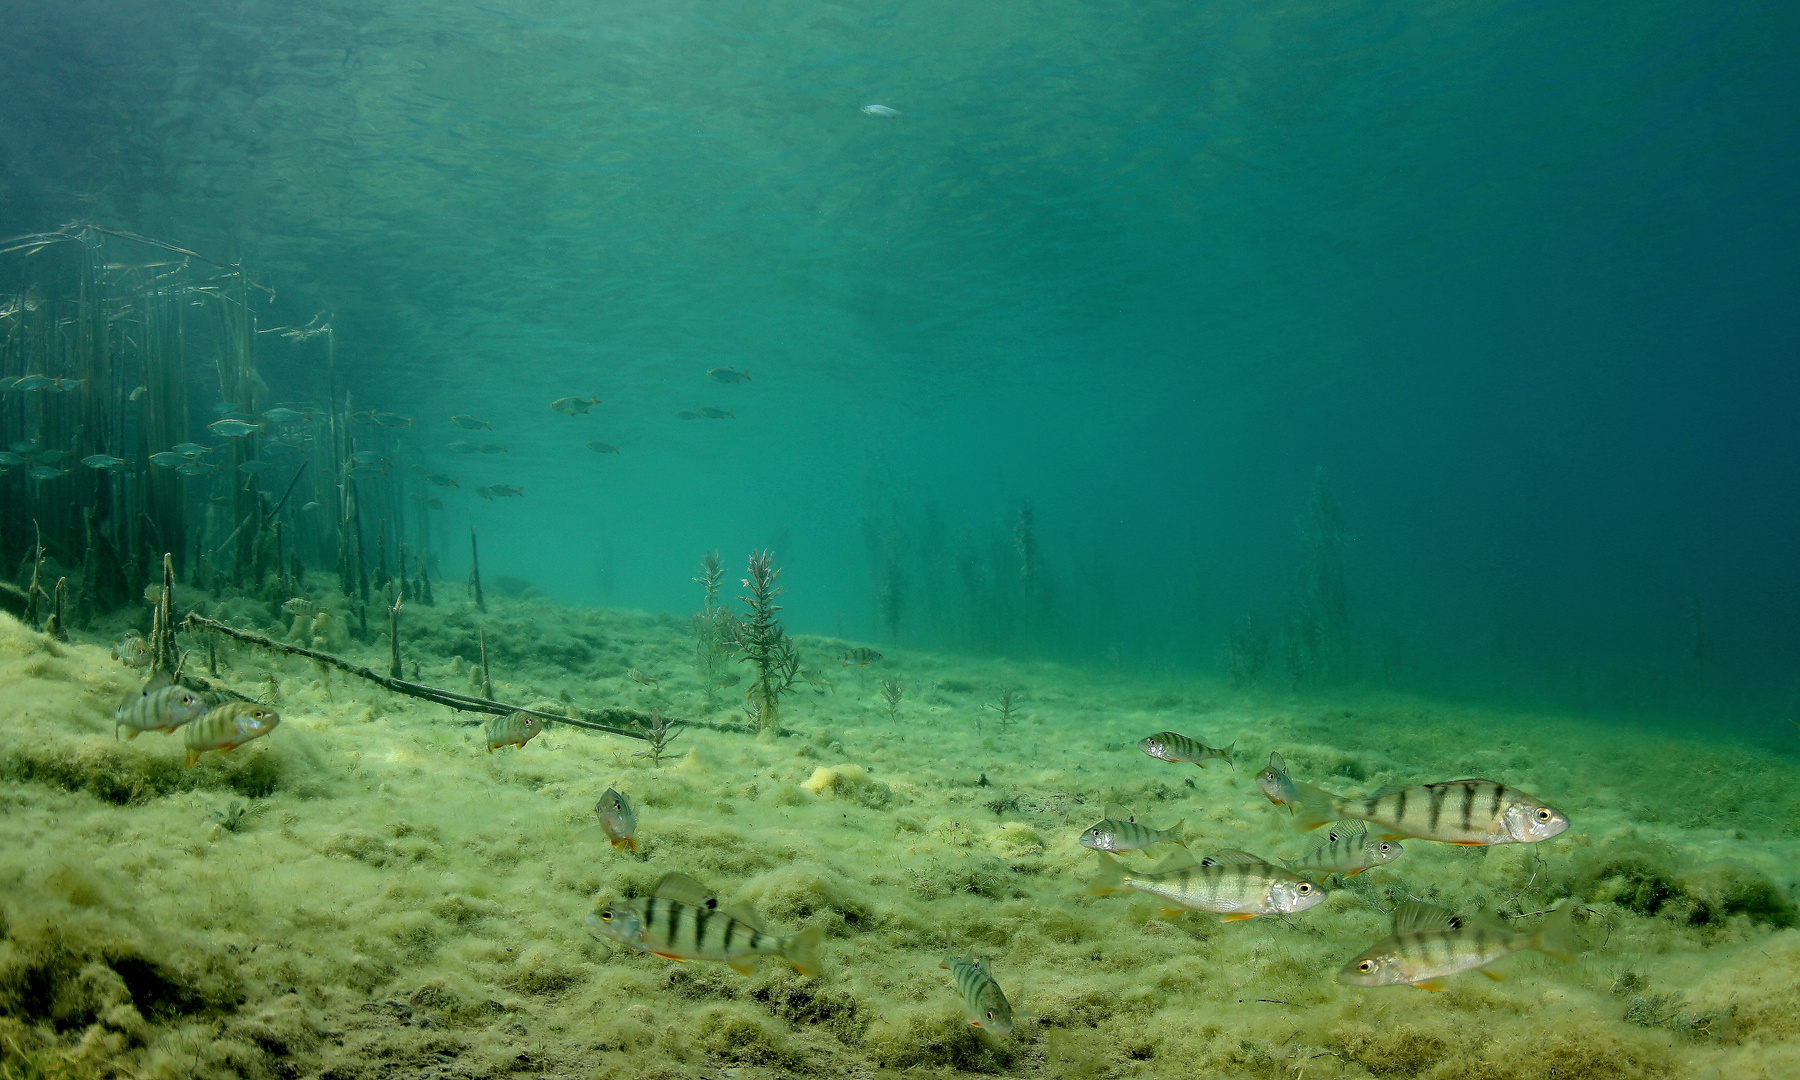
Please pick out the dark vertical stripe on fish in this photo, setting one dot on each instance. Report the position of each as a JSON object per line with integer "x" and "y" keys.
{"x": 1439, "y": 792}
{"x": 1468, "y": 806}
{"x": 1493, "y": 813}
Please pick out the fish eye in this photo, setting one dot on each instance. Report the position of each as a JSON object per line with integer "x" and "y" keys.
{"x": 1305, "y": 888}
{"x": 1366, "y": 966}
{"x": 1543, "y": 813}
{"x": 606, "y": 916}
{"x": 990, "y": 1015}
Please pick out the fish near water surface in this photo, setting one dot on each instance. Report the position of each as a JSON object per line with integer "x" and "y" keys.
{"x": 682, "y": 920}
{"x": 513, "y": 729}
{"x": 617, "y": 820}
{"x": 1178, "y": 748}
{"x": 1234, "y": 884}
{"x": 983, "y": 999}
{"x": 227, "y": 727}
{"x": 1429, "y": 944}
{"x": 572, "y": 406}
{"x": 1348, "y": 850}
{"x": 162, "y": 708}
{"x": 1470, "y": 813}
{"x": 885, "y": 111}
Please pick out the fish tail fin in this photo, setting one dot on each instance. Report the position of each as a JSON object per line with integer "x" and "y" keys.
{"x": 1314, "y": 807}
{"x": 1226, "y": 754}
{"x": 1174, "y": 832}
{"x": 1111, "y": 878}
{"x": 802, "y": 950}
{"x": 1557, "y": 936}
{"x": 192, "y": 756}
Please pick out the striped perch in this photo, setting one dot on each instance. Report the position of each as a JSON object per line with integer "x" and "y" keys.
{"x": 1467, "y": 812}
{"x": 1348, "y": 850}
{"x": 1235, "y": 884}
{"x": 228, "y": 727}
{"x": 1122, "y": 832}
{"x": 513, "y": 729}
{"x": 1428, "y": 944}
{"x": 1275, "y": 783}
{"x": 161, "y": 708}
{"x": 987, "y": 1006}
{"x": 681, "y": 920}
{"x": 1178, "y": 748}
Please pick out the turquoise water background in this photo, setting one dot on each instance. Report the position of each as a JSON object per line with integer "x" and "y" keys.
{"x": 1519, "y": 278}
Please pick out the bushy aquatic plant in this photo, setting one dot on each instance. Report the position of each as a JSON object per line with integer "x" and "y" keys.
{"x": 760, "y": 639}
{"x": 891, "y": 694}
{"x": 1006, "y": 707}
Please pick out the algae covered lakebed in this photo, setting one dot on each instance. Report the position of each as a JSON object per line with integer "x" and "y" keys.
{"x": 367, "y": 892}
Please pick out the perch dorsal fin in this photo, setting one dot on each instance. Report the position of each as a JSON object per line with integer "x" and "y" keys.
{"x": 749, "y": 918}
{"x": 684, "y": 889}
{"x": 1351, "y": 832}
{"x": 1232, "y": 856}
{"x": 1412, "y": 918}
{"x": 1180, "y": 860}
{"x": 1115, "y": 812}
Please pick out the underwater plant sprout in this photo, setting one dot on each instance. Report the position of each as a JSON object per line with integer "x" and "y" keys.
{"x": 760, "y": 639}
{"x": 891, "y": 694}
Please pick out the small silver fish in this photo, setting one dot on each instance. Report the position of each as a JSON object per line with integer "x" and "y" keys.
{"x": 102, "y": 461}
{"x": 45, "y": 472}
{"x": 255, "y": 465}
{"x": 313, "y": 505}
{"x": 138, "y": 394}
{"x": 493, "y": 491}
{"x": 1178, "y": 748}
{"x": 1348, "y": 850}
{"x": 983, "y": 999}
{"x": 196, "y": 469}
{"x": 574, "y": 405}
{"x": 470, "y": 422}
{"x": 53, "y": 457}
{"x": 709, "y": 412}
{"x": 233, "y": 428}
{"x": 441, "y": 480}
{"x": 462, "y": 448}
{"x": 728, "y": 375}
{"x": 191, "y": 449}
{"x": 159, "y": 707}
{"x": 491, "y": 448}
{"x": 640, "y": 678}
{"x": 682, "y": 920}
{"x": 227, "y": 727}
{"x": 9, "y": 459}
{"x": 368, "y": 457}
{"x": 602, "y": 447}
{"x": 513, "y": 729}
{"x": 617, "y": 819}
{"x": 1429, "y": 944}
{"x": 283, "y": 416}
{"x": 882, "y": 110}
{"x": 168, "y": 459}
{"x": 33, "y": 382}
{"x": 1275, "y": 783}
{"x": 1121, "y": 832}
{"x": 392, "y": 420}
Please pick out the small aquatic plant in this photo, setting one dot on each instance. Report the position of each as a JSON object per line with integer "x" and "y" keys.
{"x": 657, "y": 734}
{"x": 714, "y": 629}
{"x": 760, "y": 639}
{"x": 1006, "y": 707}
{"x": 891, "y": 694}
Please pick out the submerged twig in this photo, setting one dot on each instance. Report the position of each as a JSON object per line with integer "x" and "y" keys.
{"x": 659, "y": 733}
